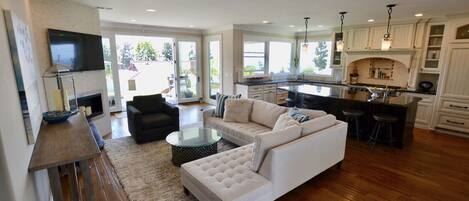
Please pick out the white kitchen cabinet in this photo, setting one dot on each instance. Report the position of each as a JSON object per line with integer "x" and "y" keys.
{"x": 434, "y": 48}
{"x": 376, "y": 37}
{"x": 453, "y": 107}
{"x": 265, "y": 92}
{"x": 425, "y": 108}
{"x": 358, "y": 39}
{"x": 402, "y": 36}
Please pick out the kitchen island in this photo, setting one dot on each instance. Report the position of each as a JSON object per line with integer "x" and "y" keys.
{"x": 335, "y": 98}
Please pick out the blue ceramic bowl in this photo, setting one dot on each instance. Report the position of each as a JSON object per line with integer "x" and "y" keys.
{"x": 54, "y": 117}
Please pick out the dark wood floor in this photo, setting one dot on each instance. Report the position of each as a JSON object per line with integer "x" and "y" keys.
{"x": 434, "y": 167}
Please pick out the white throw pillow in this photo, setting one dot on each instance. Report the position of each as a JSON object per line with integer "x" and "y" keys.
{"x": 285, "y": 120}
{"x": 237, "y": 110}
{"x": 268, "y": 140}
{"x": 317, "y": 124}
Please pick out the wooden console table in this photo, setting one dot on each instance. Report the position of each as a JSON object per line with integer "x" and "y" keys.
{"x": 61, "y": 145}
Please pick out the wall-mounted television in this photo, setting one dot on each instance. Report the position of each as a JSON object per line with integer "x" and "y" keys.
{"x": 75, "y": 51}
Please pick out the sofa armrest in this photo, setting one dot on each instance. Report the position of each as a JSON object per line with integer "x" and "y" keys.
{"x": 207, "y": 113}
{"x": 172, "y": 111}
{"x": 289, "y": 165}
{"x": 134, "y": 119}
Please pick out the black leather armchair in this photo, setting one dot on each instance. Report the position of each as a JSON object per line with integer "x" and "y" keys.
{"x": 151, "y": 118}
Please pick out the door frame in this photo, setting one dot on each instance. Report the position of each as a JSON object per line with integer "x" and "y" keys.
{"x": 115, "y": 73}
{"x": 198, "y": 48}
{"x": 206, "y": 65}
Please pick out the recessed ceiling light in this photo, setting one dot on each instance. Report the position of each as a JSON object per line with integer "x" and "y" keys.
{"x": 320, "y": 26}
{"x": 191, "y": 26}
{"x": 133, "y": 20}
{"x": 371, "y": 20}
{"x": 291, "y": 26}
{"x": 104, "y": 8}
{"x": 418, "y": 15}
{"x": 265, "y": 22}
{"x": 150, "y": 10}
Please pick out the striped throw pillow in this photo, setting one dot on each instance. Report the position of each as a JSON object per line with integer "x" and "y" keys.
{"x": 220, "y": 99}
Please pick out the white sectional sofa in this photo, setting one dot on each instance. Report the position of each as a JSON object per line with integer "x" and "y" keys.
{"x": 228, "y": 176}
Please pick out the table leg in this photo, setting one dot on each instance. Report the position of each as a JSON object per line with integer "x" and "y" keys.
{"x": 55, "y": 185}
{"x": 73, "y": 182}
{"x": 85, "y": 170}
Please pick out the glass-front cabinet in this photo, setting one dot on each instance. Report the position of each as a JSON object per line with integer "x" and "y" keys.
{"x": 433, "y": 48}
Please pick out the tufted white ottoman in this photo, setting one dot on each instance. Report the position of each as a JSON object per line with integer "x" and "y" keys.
{"x": 226, "y": 176}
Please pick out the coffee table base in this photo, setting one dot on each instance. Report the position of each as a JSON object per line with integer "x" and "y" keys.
{"x": 186, "y": 154}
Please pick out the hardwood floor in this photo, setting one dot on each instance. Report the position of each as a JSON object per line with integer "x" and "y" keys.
{"x": 434, "y": 167}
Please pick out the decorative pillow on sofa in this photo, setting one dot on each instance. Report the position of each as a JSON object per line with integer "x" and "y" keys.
{"x": 237, "y": 110}
{"x": 317, "y": 124}
{"x": 220, "y": 99}
{"x": 265, "y": 113}
{"x": 283, "y": 121}
{"x": 311, "y": 113}
{"x": 297, "y": 115}
{"x": 268, "y": 140}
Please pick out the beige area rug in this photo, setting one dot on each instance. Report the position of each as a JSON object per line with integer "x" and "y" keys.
{"x": 146, "y": 172}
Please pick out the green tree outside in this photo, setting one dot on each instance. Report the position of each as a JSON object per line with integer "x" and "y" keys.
{"x": 322, "y": 54}
{"x": 168, "y": 52}
{"x": 145, "y": 52}
{"x": 126, "y": 55}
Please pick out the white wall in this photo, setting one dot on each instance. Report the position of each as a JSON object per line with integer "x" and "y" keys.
{"x": 16, "y": 182}
{"x": 70, "y": 16}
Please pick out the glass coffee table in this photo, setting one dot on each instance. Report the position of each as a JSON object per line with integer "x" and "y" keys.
{"x": 193, "y": 143}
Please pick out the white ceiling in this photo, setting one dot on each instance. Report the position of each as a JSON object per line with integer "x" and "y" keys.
{"x": 206, "y": 14}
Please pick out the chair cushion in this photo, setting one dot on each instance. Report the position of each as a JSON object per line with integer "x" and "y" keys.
{"x": 242, "y": 131}
{"x": 220, "y": 100}
{"x": 317, "y": 124}
{"x": 226, "y": 176}
{"x": 237, "y": 110}
{"x": 156, "y": 120}
{"x": 266, "y": 141}
{"x": 283, "y": 121}
{"x": 265, "y": 113}
{"x": 148, "y": 104}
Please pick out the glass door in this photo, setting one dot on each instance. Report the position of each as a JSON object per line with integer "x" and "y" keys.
{"x": 187, "y": 68}
{"x": 110, "y": 70}
{"x": 214, "y": 66}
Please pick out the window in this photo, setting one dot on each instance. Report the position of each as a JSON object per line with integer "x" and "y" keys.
{"x": 316, "y": 60}
{"x": 280, "y": 57}
{"x": 214, "y": 66}
{"x": 254, "y": 58}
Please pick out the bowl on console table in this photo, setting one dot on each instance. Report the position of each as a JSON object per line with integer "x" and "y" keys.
{"x": 54, "y": 117}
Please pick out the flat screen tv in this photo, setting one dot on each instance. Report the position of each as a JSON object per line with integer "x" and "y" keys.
{"x": 75, "y": 51}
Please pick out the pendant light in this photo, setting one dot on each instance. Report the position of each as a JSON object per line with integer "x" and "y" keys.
{"x": 305, "y": 45}
{"x": 340, "y": 43}
{"x": 386, "y": 43}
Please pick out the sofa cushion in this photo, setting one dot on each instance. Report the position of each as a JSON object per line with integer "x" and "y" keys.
{"x": 226, "y": 176}
{"x": 220, "y": 100}
{"x": 148, "y": 104}
{"x": 156, "y": 120}
{"x": 311, "y": 113}
{"x": 266, "y": 141}
{"x": 284, "y": 121}
{"x": 237, "y": 110}
{"x": 265, "y": 113}
{"x": 317, "y": 124}
{"x": 242, "y": 131}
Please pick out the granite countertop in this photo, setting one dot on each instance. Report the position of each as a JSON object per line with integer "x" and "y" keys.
{"x": 299, "y": 82}
{"x": 348, "y": 93}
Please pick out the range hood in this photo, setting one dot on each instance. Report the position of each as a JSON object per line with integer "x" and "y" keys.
{"x": 403, "y": 56}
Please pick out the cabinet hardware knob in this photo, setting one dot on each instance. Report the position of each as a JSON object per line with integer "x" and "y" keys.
{"x": 454, "y": 122}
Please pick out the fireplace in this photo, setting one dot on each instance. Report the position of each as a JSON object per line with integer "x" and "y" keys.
{"x": 92, "y": 104}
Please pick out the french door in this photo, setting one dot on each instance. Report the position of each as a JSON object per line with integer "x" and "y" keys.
{"x": 188, "y": 70}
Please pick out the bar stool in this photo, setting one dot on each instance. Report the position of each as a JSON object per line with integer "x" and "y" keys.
{"x": 382, "y": 121}
{"x": 351, "y": 117}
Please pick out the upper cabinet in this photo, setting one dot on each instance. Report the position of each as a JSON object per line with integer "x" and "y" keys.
{"x": 458, "y": 30}
{"x": 433, "y": 48}
{"x": 370, "y": 38}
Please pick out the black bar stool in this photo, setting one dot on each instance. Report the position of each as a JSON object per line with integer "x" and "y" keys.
{"x": 382, "y": 121}
{"x": 351, "y": 117}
